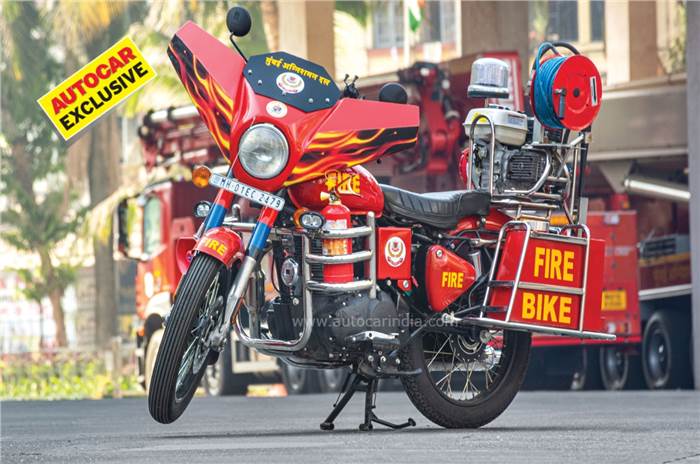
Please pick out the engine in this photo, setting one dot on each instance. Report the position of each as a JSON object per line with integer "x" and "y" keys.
{"x": 517, "y": 167}
{"x": 344, "y": 323}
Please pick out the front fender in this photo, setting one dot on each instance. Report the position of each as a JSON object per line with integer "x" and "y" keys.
{"x": 218, "y": 242}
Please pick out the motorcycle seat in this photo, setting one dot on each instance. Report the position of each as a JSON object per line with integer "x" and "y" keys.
{"x": 438, "y": 209}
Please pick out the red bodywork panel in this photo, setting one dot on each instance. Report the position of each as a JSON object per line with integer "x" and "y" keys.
{"x": 349, "y": 133}
{"x": 356, "y": 187}
{"x": 394, "y": 254}
{"x": 447, "y": 277}
{"x": 221, "y": 243}
{"x": 551, "y": 263}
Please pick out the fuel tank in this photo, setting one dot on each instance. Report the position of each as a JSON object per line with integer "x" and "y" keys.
{"x": 356, "y": 187}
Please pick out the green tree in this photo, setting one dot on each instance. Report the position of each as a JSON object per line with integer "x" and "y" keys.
{"x": 39, "y": 212}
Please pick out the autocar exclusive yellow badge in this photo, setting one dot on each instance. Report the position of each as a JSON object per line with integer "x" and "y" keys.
{"x": 99, "y": 86}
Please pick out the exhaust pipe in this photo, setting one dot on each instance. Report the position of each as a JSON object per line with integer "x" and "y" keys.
{"x": 654, "y": 188}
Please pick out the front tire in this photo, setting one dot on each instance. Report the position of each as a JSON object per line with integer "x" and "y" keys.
{"x": 444, "y": 406}
{"x": 182, "y": 357}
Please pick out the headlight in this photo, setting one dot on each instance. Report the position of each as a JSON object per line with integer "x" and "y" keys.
{"x": 263, "y": 151}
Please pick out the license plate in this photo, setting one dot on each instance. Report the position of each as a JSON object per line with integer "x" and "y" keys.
{"x": 614, "y": 300}
{"x": 246, "y": 191}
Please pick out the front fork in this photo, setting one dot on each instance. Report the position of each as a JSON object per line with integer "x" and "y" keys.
{"x": 253, "y": 253}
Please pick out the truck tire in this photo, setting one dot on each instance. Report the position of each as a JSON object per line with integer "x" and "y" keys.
{"x": 299, "y": 380}
{"x": 665, "y": 354}
{"x": 150, "y": 358}
{"x": 614, "y": 367}
{"x": 330, "y": 380}
{"x": 587, "y": 371}
{"x": 219, "y": 379}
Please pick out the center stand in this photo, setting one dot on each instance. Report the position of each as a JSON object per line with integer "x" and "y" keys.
{"x": 369, "y": 386}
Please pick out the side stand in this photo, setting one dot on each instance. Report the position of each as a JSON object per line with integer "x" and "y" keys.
{"x": 369, "y": 386}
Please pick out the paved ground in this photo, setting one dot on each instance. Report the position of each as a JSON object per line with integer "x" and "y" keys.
{"x": 542, "y": 427}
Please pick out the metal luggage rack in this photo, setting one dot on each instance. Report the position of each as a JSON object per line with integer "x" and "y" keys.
{"x": 286, "y": 347}
{"x": 532, "y": 203}
{"x": 582, "y": 238}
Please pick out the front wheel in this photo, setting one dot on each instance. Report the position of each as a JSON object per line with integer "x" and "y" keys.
{"x": 466, "y": 381}
{"x": 183, "y": 353}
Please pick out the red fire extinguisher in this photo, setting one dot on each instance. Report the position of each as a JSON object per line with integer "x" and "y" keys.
{"x": 337, "y": 217}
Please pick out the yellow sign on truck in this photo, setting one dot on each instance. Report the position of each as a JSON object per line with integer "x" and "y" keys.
{"x": 98, "y": 87}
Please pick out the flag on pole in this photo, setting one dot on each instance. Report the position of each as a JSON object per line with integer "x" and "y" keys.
{"x": 415, "y": 16}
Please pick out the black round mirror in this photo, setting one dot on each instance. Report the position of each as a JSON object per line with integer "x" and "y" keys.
{"x": 238, "y": 21}
{"x": 393, "y": 93}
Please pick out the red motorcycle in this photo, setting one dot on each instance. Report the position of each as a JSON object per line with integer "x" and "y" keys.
{"x": 441, "y": 290}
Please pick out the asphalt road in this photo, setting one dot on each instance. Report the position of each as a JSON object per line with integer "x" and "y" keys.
{"x": 541, "y": 427}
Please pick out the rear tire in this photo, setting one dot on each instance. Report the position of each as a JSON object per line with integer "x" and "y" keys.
{"x": 426, "y": 395}
{"x": 665, "y": 354}
{"x": 167, "y": 397}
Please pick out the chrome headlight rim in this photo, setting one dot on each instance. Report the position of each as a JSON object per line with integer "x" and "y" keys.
{"x": 244, "y": 163}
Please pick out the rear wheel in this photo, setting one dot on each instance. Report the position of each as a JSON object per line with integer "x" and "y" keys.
{"x": 183, "y": 353}
{"x": 665, "y": 354}
{"x": 466, "y": 381}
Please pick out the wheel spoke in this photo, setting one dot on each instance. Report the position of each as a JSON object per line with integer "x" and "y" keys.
{"x": 479, "y": 363}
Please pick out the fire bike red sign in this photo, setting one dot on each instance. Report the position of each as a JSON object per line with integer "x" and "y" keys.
{"x": 552, "y": 288}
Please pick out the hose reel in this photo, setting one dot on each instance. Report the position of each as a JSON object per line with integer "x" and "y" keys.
{"x": 565, "y": 90}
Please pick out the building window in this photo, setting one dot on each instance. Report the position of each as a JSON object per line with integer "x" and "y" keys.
{"x": 563, "y": 21}
{"x": 387, "y": 24}
{"x": 597, "y": 21}
{"x": 152, "y": 232}
{"x": 438, "y": 23}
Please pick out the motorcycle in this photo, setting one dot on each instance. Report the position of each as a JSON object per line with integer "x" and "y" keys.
{"x": 441, "y": 290}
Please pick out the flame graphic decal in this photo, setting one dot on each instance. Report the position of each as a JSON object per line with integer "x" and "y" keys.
{"x": 214, "y": 106}
{"x": 342, "y": 149}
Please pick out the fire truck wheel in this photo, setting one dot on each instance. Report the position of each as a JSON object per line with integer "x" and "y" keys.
{"x": 330, "y": 380}
{"x": 299, "y": 380}
{"x": 665, "y": 354}
{"x": 614, "y": 367}
{"x": 219, "y": 379}
{"x": 464, "y": 382}
{"x": 151, "y": 352}
{"x": 587, "y": 371}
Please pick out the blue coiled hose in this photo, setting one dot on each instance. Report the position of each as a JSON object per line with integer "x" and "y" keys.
{"x": 543, "y": 87}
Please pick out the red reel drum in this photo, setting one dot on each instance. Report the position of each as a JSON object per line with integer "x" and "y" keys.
{"x": 578, "y": 82}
